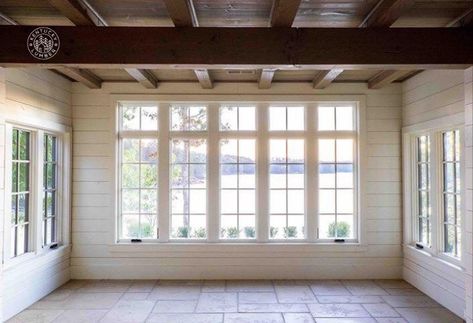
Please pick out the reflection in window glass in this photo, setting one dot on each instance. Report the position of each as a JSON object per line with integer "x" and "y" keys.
{"x": 50, "y": 190}
{"x": 423, "y": 191}
{"x": 287, "y": 184}
{"x": 233, "y": 118}
{"x": 237, "y": 188}
{"x": 20, "y": 196}
{"x": 336, "y": 188}
{"x": 188, "y": 118}
{"x": 451, "y": 192}
{"x": 286, "y": 118}
{"x": 188, "y": 179}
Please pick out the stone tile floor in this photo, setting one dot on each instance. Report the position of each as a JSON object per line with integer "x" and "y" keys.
{"x": 260, "y": 301}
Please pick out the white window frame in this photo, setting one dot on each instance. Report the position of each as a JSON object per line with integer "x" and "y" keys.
{"x": 434, "y": 129}
{"x": 36, "y": 248}
{"x": 164, "y": 102}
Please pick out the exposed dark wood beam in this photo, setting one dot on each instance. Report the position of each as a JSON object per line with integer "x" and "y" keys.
{"x": 463, "y": 20}
{"x": 283, "y": 12}
{"x": 384, "y": 78}
{"x": 145, "y": 77}
{"x": 266, "y": 77}
{"x": 83, "y": 76}
{"x": 386, "y": 12}
{"x": 324, "y": 78}
{"x": 182, "y": 13}
{"x": 304, "y": 48}
{"x": 204, "y": 78}
{"x": 78, "y": 11}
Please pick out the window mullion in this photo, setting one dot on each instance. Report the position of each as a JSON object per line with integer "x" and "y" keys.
{"x": 213, "y": 173}
{"x": 163, "y": 173}
{"x": 262, "y": 181}
{"x": 311, "y": 165}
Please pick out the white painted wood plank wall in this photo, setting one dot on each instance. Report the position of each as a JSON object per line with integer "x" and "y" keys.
{"x": 428, "y": 96}
{"x": 469, "y": 192}
{"x": 93, "y": 191}
{"x": 35, "y": 97}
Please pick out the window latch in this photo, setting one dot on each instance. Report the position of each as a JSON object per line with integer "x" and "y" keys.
{"x": 136, "y": 240}
{"x": 339, "y": 240}
{"x": 53, "y": 246}
{"x": 419, "y": 246}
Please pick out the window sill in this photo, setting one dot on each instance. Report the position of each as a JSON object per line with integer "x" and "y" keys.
{"x": 36, "y": 258}
{"x": 452, "y": 266}
{"x": 232, "y": 249}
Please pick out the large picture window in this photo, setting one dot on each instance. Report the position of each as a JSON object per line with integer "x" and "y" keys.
{"x": 238, "y": 172}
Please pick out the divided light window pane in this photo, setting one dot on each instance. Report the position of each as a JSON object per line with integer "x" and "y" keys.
{"x": 338, "y": 118}
{"x": 287, "y": 188}
{"x": 188, "y": 118}
{"x": 237, "y": 188}
{"x": 336, "y": 189}
{"x": 139, "y": 172}
{"x": 139, "y": 117}
{"x": 50, "y": 190}
{"x": 234, "y": 118}
{"x": 188, "y": 181}
{"x": 451, "y": 192}
{"x": 283, "y": 118}
{"x": 20, "y": 196}
{"x": 424, "y": 224}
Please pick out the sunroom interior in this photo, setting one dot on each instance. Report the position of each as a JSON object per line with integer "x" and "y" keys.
{"x": 236, "y": 161}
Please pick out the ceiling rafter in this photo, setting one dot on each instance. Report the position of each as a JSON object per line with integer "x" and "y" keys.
{"x": 283, "y": 13}
{"x": 323, "y": 78}
{"x": 463, "y": 20}
{"x": 266, "y": 78}
{"x": 145, "y": 77}
{"x": 386, "y": 12}
{"x": 384, "y": 78}
{"x": 204, "y": 77}
{"x": 79, "y": 12}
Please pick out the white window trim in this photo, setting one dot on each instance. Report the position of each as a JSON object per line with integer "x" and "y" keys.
{"x": 213, "y": 102}
{"x": 434, "y": 129}
{"x": 35, "y": 247}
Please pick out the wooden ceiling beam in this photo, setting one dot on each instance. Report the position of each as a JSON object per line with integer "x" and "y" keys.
{"x": 283, "y": 12}
{"x": 145, "y": 77}
{"x": 386, "y": 12}
{"x": 324, "y": 78}
{"x": 384, "y": 78}
{"x": 279, "y": 48}
{"x": 266, "y": 77}
{"x": 204, "y": 78}
{"x": 463, "y": 20}
{"x": 78, "y": 11}
{"x": 83, "y": 76}
{"x": 8, "y": 20}
{"x": 182, "y": 13}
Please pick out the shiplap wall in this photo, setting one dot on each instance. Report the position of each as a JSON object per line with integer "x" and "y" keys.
{"x": 2, "y": 180}
{"x": 93, "y": 197}
{"x": 468, "y": 245}
{"x": 37, "y": 98}
{"x": 428, "y": 96}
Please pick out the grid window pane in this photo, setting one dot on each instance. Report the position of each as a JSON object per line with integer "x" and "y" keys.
{"x": 49, "y": 190}
{"x": 188, "y": 188}
{"x": 139, "y": 182}
{"x": 287, "y": 183}
{"x": 20, "y": 195}
{"x": 423, "y": 190}
{"x": 188, "y": 118}
{"x": 236, "y": 118}
{"x": 451, "y": 192}
{"x": 286, "y": 118}
{"x": 237, "y": 193}
{"x": 135, "y": 116}
{"x": 335, "y": 118}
